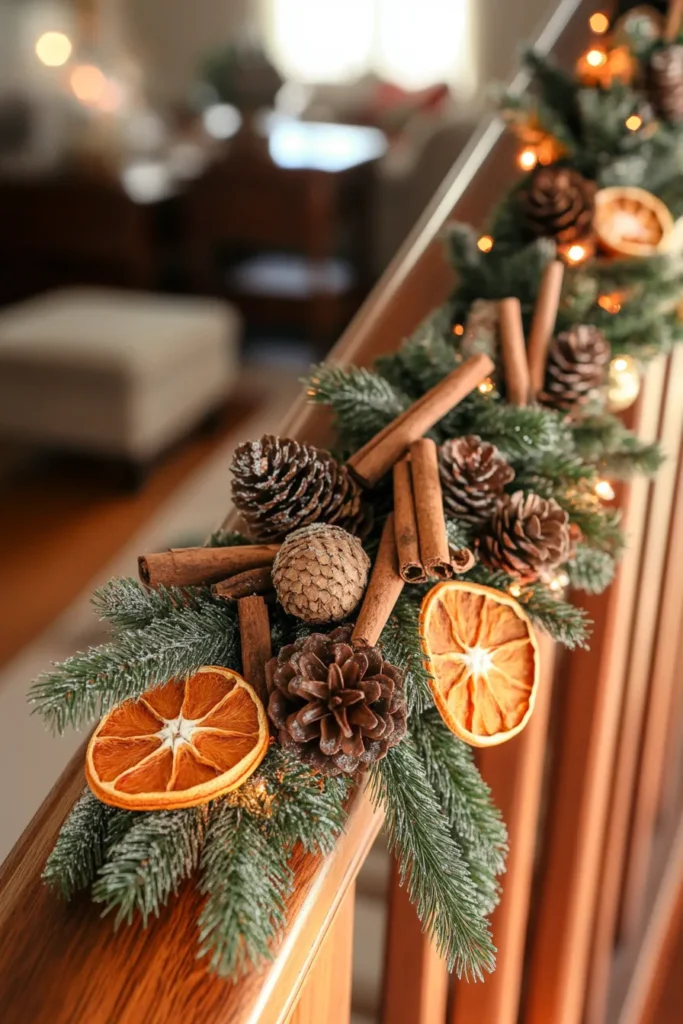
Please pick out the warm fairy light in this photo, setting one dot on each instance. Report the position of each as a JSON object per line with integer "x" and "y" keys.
{"x": 53, "y": 49}
{"x": 604, "y": 490}
{"x": 527, "y": 159}
{"x": 514, "y": 590}
{"x": 634, "y": 122}
{"x": 486, "y": 386}
{"x": 559, "y": 581}
{"x": 599, "y": 23}
{"x": 485, "y": 243}
{"x": 609, "y": 303}
{"x": 576, "y": 253}
{"x": 89, "y": 84}
{"x": 458, "y": 329}
{"x": 620, "y": 364}
{"x": 596, "y": 58}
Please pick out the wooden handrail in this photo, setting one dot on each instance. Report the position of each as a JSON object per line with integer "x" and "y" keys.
{"x": 61, "y": 964}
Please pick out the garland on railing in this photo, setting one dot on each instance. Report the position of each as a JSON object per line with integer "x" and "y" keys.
{"x": 474, "y": 457}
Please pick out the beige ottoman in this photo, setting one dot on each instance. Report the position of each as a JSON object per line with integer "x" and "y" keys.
{"x": 115, "y": 373}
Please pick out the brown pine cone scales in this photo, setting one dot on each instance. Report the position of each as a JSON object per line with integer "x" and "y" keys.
{"x": 280, "y": 485}
{"x": 320, "y": 573}
{"x": 527, "y": 535}
{"x": 338, "y": 706}
{"x": 665, "y": 82}
{"x": 578, "y": 361}
{"x": 473, "y": 477}
{"x": 558, "y": 203}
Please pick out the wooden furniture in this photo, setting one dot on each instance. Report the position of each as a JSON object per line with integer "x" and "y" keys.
{"x": 280, "y": 224}
{"x": 559, "y": 784}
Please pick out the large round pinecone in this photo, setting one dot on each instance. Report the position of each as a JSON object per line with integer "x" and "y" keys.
{"x": 665, "y": 82}
{"x": 577, "y": 364}
{"x": 320, "y": 573}
{"x": 280, "y": 485}
{"x": 527, "y": 535}
{"x": 473, "y": 477}
{"x": 340, "y": 707}
{"x": 558, "y": 203}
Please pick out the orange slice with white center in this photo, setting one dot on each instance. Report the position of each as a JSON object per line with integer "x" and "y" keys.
{"x": 482, "y": 653}
{"x": 180, "y": 745}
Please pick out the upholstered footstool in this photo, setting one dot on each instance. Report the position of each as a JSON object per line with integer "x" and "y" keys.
{"x": 114, "y": 373}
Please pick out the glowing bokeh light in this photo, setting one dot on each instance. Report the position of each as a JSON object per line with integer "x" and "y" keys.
{"x": 599, "y": 23}
{"x": 53, "y": 49}
{"x": 89, "y": 84}
{"x": 485, "y": 243}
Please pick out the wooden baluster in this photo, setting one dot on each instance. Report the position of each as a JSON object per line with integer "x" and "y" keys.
{"x": 515, "y": 774}
{"x": 641, "y": 636}
{"x": 655, "y": 703}
{"x": 560, "y": 945}
{"x": 415, "y": 976}
{"x": 326, "y": 995}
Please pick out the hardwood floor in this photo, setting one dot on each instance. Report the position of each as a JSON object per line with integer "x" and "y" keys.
{"x": 62, "y": 518}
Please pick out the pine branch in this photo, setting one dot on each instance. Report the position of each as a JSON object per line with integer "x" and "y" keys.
{"x": 90, "y": 683}
{"x": 431, "y": 864}
{"x": 363, "y": 403}
{"x": 591, "y": 569}
{"x": 466, "y": 801}
{"x": 246, "y": 879}
{"x": 400, "y": 643}
{"x": 127, "y": 604}
{"x": 227, "y": 539}
{"x": 82, "y": 844}
{"x": 307, "y": 808}
{"x": 459, "y": 534}
{"x": 519, "y": 433}
{"x": 158, "y": 852}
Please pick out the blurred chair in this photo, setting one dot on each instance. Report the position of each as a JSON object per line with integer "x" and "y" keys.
{"x": 118, "y": 374}
{"x": 69, "y": 229}
{"x": 287, "y": 241}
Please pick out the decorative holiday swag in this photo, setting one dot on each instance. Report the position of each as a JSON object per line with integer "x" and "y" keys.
{"x": 378, "y": 616}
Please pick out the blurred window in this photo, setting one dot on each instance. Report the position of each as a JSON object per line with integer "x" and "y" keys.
{"x": 413, "y": 43}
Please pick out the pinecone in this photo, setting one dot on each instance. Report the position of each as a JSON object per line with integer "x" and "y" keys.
{"x": 527, "y": 535}
{"x": 665, "y": 82}
{"x": 280, "y": 485}
{"x": 558, "y": 203}
{"x": 340, "y": 707}
{"x": 320, "y": 573}
{"x": 473, "y": 478}
{"x": 578, "y": 360}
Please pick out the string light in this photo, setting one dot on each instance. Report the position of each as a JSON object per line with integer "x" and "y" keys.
{"x": 610, "y": 303}
{"x": 514, "y": 590}
{"x": 604, "y": 490}
{"x": 527, "y": 159}
{"x": 599, "y": 23}
{"x": 53, "y": 49}
{"x": 458, "y": 329}
{"x": 634, "y": 122}
{"x": 486, "y": 386}
{"x": 620, "y": 364}
{"x": 596, "y": 58}
{"x": 576, "y": 253}
{"x": 559, "y": 581}
{"x": 485, "y": 243}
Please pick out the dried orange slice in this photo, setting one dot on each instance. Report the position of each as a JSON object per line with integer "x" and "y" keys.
{"x": 630, "y": 221}
{"x": 483, "y": 656}
{"x": 179, "y": 745}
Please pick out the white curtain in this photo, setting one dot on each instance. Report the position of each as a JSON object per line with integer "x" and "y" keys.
{"x": 412, "y": 43}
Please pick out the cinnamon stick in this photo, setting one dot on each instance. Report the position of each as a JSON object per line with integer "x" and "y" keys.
{"x": 431, "y": 524}
{"x": 186, "y": 567}
{"x": 380, "y": 453}
{"x": 543, "y": 323}
{"x": 674, "y": 15}
{"x": 383, "y": 590}
{"x": 410, "y": 567}
{"x": 513, "y": 351}
{"x": 462, "y": 560}
{"x": 255, "y": 641}
{"x": 253, "y": 581}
